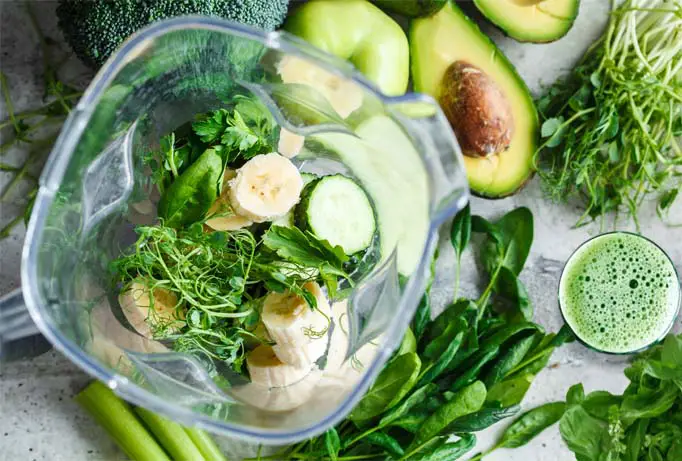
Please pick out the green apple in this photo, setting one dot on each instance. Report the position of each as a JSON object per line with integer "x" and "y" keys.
{"x": 360, "y": 32}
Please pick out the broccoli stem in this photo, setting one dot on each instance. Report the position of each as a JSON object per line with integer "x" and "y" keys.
{"x": 205, "y": 444}
{"x": 118, "y": 419}
{"x": 172, "y": 436}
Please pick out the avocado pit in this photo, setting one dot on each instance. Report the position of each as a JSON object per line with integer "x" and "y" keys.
{"x": 477, "y": 110}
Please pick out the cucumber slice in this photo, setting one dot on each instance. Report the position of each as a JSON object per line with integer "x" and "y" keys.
{"x": 288, "y": 219}
{"x": 335, "y": 208}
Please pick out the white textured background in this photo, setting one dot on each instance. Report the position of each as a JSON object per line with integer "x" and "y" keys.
{"x": 39, "y": 421}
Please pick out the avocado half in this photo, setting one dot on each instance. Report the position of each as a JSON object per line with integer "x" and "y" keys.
{"x": 538, "y": 21}
{"x": 448, "y": 36}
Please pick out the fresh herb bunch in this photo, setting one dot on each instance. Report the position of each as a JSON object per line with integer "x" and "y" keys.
{"x": 610, "y": 127}
{"x": 455, "y": 375}
{"x": 34, "y": 130}
{"x": 220, "y": 278}
{"x": 642, "y": 424}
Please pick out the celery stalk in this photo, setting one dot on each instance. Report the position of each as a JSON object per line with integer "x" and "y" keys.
{"x": 171, "y": 435}
{"x": 117, "y": 418}
{"x": 205, "y": 444}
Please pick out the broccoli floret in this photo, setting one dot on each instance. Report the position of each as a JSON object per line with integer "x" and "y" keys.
{"x": 96, "y": 28}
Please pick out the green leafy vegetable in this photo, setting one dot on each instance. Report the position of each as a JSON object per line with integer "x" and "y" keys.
{"x": 394, "y": 382}
{"x": 483, "y": 419}
{"x": 188, "y": 198}
{"x": 460, "y": 234}
{"x": 609, "y": 128}
{"x": 530, "y": 424}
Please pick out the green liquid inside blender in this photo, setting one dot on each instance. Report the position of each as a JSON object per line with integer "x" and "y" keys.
{"x": 619, "y": 293}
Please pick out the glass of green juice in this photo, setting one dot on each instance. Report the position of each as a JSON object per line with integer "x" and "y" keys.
{"x": 619, "y": 293}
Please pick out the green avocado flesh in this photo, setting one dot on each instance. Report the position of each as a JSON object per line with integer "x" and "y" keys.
{"x": 449, "y": 36}
{"x": 529, "y": 21}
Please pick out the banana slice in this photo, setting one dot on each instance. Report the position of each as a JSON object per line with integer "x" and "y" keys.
{"x": 343, "y": 94}
{"x": 230, "y": 222}
{"x": 265, "y": 188}
{"x": 267, "y": 370}
{"x": 290, "y": 144}
{"x": 279, "y": 398}
{"x": 298, "y": 331}
{"x": 147, "y": 314}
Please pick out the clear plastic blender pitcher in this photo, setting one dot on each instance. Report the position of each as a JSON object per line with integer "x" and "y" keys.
{"x": 96, "y": 187}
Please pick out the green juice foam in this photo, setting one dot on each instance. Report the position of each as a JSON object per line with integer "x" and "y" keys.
{"x": 619, "y": 293}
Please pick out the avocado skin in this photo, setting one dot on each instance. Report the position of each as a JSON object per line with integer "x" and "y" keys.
{"x": 513, "y": 167}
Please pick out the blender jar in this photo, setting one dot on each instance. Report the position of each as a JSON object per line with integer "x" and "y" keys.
{"x": 96, "y": 187}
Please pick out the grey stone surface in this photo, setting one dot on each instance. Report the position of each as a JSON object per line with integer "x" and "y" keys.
{"x": 40, "y": 421}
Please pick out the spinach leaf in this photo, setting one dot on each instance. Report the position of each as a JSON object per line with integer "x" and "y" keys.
{"x": 480, "y": 225}
{"x": 385, "y": 441}
{"x": 456, "y": 312}
{"x": 449, "y": 451}
{"x": 511, "y": 391}
{"x": 412, "y": 421}
{"x": 583, "y": 433}
{"x": 470, "y": 370}
{"x": 575, "y": 394}
{"x": 423, "y": 314}
{"x": 414, "y": 399}
{"x": 675, "y": 452}
{"x": 482, "y": 419}
{"x": 598, "y": 403}
{"x": 530, "y": 424}
{"x": 435, "y": 348}
{"x": 191, "y": 195}
{"x": 516, "y": 236}
{"x": 634, "y": 439}
{"x": 507, "y": 361}
{"x": 435, "y": 369}
{"x": 649, "y": 404}
{"x": 393, "y": 383}
{"x": 460, "y": 231}
{"x": 408, "y": 344}
{"x": 671, "y": 352}
{"x": 468, "y": 400}
{"x": 514, "y": 296}
{"x": 332, "y": 443}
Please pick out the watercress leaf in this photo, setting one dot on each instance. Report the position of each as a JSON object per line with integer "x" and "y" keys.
{"x": 511, "y": 391}
{"x": 595, "y": 79}
{"x": 460, "y": 231}
{"x": 392, "y": 384}
{"x": 513, "y": 355}
{"x": 614, "y": 154}
{"x": 467, "y": 400}
{"x": 386, "y": 442}
{"x": 597, "y": 403}
{"x": 441, "y": 363}
{"x": 649, "y": 404}
{"x": 482, "y": 419}
{"x": 666, "y": 199}
{"x": 450, "y": 451}
{"x": 191, "y": 195}
{"x": 550, "y": 126}
{"x": 513, "y": 291}
{"x": 408, "y": 344}
{"x": 634, "y": 439}
{"x": 332, "y": 443}
{"x": 527, "y": 426}
{"x": 583, "y": 433}
{"x": 417, "y": 397}
{"x": 575, "y": 394}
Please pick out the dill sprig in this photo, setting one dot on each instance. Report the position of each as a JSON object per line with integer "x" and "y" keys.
{"x": 610, "y": 127}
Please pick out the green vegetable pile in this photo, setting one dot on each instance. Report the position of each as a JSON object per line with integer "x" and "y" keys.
{"x": 143, "y": 435}
{"x": 220, "y": 278}
{"x": 95, "y": 29}
{"x": 642, "y": 424}
{"x": 457, "y": 374}
{"x": 610, "y": 127}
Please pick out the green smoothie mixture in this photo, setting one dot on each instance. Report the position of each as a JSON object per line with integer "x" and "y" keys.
{"x": 619, "y": 293}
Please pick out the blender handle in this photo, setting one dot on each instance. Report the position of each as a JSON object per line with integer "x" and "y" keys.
{"x": 19, "y": 336}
